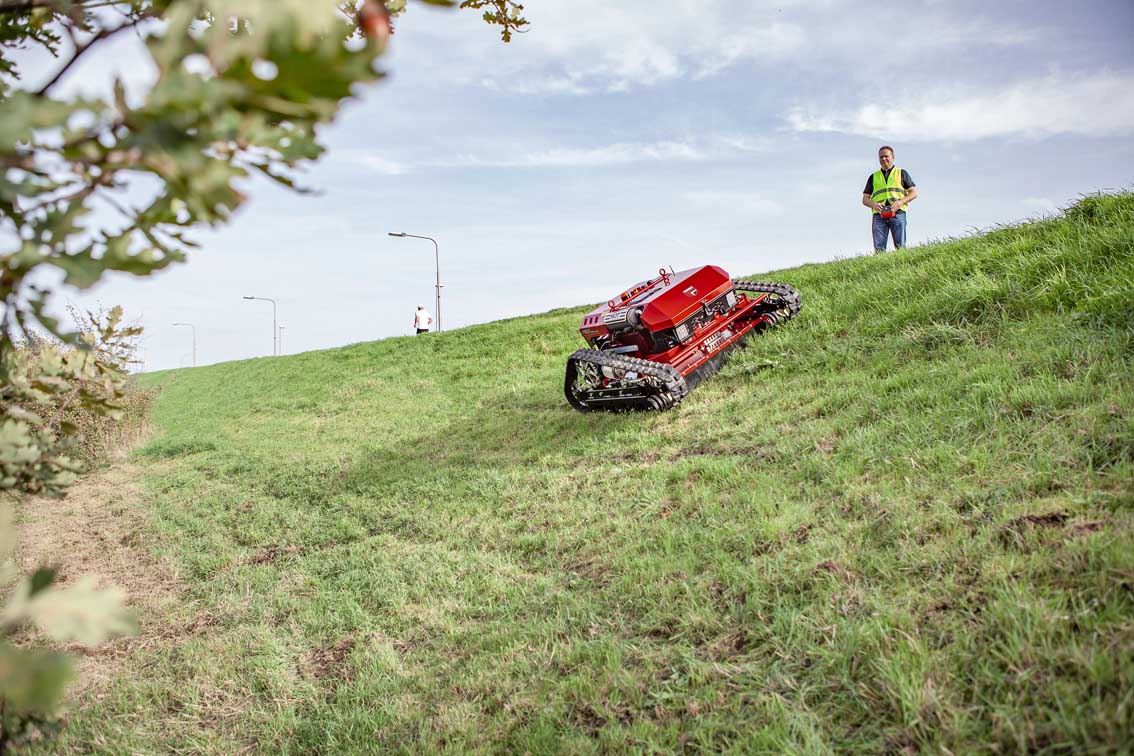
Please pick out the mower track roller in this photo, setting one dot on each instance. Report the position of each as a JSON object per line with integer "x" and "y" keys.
{"x": 662, "y": 386}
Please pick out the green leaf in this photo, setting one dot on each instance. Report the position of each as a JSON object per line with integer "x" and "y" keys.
{"x": 82, "y": 269}
{"x": 78, "y": 612}
{"x": 32, "y": 680}
{"x": 42, "y": 578}
{"x": 24, "y": 112}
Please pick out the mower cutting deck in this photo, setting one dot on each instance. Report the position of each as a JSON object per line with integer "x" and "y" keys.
{"x": 652, "y": 344}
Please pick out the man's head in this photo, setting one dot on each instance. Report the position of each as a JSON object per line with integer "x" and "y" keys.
{"x": 421, "y": 307}
{"x": 886, "y": 157}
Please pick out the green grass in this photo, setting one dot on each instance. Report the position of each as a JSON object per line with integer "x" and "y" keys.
{"x": 905, "y": 521}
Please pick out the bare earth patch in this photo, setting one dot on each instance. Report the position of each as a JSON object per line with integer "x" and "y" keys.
{"x": 330, "y": 661}
{"x": 100, "y": 529}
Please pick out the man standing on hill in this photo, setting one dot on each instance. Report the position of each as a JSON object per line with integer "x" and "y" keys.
{"x": 422, "y": 320}
{"x": 887, "y": 193}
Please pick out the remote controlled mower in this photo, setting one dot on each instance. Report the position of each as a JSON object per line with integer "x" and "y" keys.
{"x": 653, "y": 343}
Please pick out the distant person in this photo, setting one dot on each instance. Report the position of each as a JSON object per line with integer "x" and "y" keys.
{"x": 422, "y": 320}
{"x": 887, "y": 193}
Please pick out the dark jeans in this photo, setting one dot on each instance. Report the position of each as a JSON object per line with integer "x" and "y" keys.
{"x": 883, "y": 227}
{"x": 422, "y": 330}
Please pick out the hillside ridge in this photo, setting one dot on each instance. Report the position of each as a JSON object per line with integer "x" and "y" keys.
{"x": 901, "y": 522}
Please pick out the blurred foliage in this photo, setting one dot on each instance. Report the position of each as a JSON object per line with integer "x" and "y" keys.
{"x": 62, "y": 402}
{"x": 96, "y": 183}
{"x": 68, "y": 404}
{"x": 63, "y": 405}
{"x": 32, "y": 679}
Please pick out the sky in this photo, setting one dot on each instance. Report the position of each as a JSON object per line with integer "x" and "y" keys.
{"x": 614, "y": 138}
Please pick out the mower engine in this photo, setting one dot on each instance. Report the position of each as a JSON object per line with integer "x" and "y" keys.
{"x": 653, "y": 343}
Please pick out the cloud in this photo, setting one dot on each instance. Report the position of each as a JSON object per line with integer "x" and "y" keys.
{"x": 566, "y": 84}
{"x": 704, "y": 148}
{"x": 744, "y": 143}
{"x": 371, "y": 160}
{"x": 775, "y": 42}
{"x": 594, "y": 46}
{"x": 619, "y": 153}
{"x": 1098, "y": 105}
{"x": 580, "y": 47}
{"x": 748, "y": 202}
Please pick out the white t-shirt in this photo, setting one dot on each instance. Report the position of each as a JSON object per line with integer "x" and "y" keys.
{"x": 422, "y": 319}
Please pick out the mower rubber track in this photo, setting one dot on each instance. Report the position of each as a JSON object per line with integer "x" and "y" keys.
{"x": 787, "y": 294}
{"x": 668, "y": 390}
{"x": 670, "y": 387}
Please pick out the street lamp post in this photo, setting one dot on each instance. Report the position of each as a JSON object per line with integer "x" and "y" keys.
{"x": 437, "y": 263}
{"x": 281, "y": 329}
{"x": 275, "y": 334}
{"x": 194, "y": 340}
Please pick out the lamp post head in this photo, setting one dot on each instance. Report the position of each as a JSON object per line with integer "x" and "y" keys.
{"x": 392, "y": 233}
{"x": 249, "y": 297}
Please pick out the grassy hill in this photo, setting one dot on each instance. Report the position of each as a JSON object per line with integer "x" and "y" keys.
{"x": 904, "y": 521}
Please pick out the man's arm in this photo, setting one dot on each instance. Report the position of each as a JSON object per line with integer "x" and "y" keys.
{"x": 911, "y": 195}
{"x": 867, "y": 202}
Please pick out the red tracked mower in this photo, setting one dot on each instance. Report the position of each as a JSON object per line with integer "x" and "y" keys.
{"x": 653, "y": 343}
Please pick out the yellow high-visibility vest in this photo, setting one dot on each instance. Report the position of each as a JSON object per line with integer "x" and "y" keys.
{"x": 887, "y": 189}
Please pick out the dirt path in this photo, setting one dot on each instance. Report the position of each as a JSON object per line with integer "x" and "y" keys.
{"x": 100, "y": 529}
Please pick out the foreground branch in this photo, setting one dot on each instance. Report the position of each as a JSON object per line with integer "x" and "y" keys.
{"x": 102, "y": 35}
{"x": 16, "y": 7}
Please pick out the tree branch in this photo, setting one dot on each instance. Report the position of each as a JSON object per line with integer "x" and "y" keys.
{"x": 16, "y": 7}
{"x": 99, "y": 37}
{"x": 23, "y": 6}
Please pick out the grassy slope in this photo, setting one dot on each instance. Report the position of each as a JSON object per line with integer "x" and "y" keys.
{"x": 904, "y": 520}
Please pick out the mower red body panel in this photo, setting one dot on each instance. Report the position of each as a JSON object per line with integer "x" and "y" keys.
{"x": 680, "y": 319}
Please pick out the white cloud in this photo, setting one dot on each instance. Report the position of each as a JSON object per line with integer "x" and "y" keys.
{"x": 775, "y": 42}
{"x": 382, "y": 165}
{"x": 744, "y": 143}
{"x": 703, "y": 148}
{"x": 1100, "y": 105}
{"x": 748, "y": 202}
{"x": 587, "y": 46}
{"x": 372, "y": 160}
{"x": 533, "y": 85}
{"x": 700, "y": 149}
{"x": 576, "y": 47}
{"x": 619, "y": 153}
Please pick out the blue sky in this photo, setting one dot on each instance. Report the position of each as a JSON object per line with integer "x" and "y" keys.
{"x": 614, "y": 138}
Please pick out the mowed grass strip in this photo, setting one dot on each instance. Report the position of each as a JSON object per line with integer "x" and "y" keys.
{"x": 903, "y": 521}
